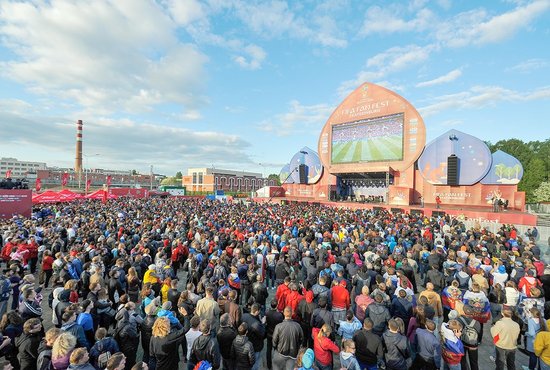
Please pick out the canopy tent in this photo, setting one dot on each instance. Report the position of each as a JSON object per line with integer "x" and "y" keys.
{"x": 101, "y": 194}
{"x": 70, "y": 195}
{"x": 48, "y": 197}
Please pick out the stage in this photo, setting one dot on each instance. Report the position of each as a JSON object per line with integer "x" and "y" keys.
{"x": 482, "y": 214}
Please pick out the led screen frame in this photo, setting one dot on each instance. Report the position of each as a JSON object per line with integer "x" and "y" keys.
{"x": 380, "y": 147}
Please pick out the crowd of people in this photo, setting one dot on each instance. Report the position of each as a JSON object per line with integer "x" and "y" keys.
{"x": 133, "y": 283}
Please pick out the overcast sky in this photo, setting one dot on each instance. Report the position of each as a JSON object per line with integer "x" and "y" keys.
{"x": 244, "y": 85}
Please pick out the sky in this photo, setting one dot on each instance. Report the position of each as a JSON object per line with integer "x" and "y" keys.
{"x": 246, "y": 84}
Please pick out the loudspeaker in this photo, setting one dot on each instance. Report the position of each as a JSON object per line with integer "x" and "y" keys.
{"x": 452, "y": 170}
{"x": 302, "y": 169}
{"x": 378, "y": 208}
{"x": 397, "y": 210}
{"x": 438, "y": 214}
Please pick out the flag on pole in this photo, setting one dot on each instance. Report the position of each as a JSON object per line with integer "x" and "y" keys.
{"x": 109, "y": 180}
{"x": 88, "y": 183}
{"x": 64, "y": 179}
{"x": 104, "y": 198}
{"x": 38, "y": 184}
{"x": 8, "y": 174}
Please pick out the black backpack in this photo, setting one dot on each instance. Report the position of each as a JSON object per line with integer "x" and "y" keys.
{"x": 469, "y": 334}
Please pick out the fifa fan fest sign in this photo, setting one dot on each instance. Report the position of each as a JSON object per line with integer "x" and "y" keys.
{"x": 372, "y": 130}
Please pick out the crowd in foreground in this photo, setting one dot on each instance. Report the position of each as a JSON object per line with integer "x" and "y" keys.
{"x": 131, "y": 283}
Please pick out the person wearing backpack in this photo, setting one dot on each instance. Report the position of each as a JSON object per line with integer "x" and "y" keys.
{"x": 102, "y": 350}
{"x": 469, "y": 337}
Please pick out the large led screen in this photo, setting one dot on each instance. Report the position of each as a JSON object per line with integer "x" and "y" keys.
{"x": 368, "y": 140}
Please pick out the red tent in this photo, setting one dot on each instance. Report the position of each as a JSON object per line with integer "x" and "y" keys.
{"x": 100, "y": 194}
{"x": 69, "y": 195}
{"x": 48, "y": 197}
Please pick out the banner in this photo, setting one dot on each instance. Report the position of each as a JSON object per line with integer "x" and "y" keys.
{"x": 88, "y": 183}
{"x": 8, "y": 174}
{"x": 38, "y": 184}
{"x": 109, "y": 180}
{"x": 64, "y": 179}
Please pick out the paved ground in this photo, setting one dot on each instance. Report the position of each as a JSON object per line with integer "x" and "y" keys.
{"x": 485, "y": 350}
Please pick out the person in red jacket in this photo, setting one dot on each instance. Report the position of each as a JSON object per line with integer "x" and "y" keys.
{"x": 293, "y": 299}
{"x": 340, "y": 301}
{"x": 323, "y": 347}
{"x": 281, "y": 293}
{"x": 6, "y": 251}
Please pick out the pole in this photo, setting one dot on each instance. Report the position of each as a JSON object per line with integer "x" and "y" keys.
{"x": 151, "y": 187}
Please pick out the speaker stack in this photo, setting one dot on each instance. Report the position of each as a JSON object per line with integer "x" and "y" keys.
{"x": 302, "y": 170}
{"x": 452, "y": 170}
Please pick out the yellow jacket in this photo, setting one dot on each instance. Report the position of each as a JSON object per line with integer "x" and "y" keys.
{"x": 542, "y": 345}
{"x": 149, "y": 277}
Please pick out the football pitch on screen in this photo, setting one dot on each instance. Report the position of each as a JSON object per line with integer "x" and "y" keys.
{"x": 388, "y": 148}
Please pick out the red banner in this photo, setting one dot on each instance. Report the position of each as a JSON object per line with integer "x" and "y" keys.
{"x": 109, "y": 180}
{"x": 64, "y": 179}
{"x": 88, "y": 183}
{"x": 38, "y": 184}
{"x": 8, "y": 174}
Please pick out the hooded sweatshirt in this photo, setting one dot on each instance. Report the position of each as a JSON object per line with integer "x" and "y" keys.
{"x": 348, "y": 361}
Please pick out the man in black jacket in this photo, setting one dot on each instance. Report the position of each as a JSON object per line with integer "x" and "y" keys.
{"x": 259, "y": 292}
{"x": 242, "y": 350}
{"x": 28, "y": 342}
{"x": 369, "y": 349}
{"x": 272, "y": 318}
{"x": 287, "y": 338}
{"x": 226, "y": 334}
{"x": 205, "y": 347}
{"x": 256, "y": 332}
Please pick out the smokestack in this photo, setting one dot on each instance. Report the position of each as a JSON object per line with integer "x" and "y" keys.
{"x": 78, "y": 160}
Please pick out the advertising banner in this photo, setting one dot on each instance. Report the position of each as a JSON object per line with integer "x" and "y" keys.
{"x": 15, "y": 202}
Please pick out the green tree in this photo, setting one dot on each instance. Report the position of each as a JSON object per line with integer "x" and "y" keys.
{"x": 134, "y": 173}
{"x": 171, "y": 181}
{"x": 179, "y": 175}
{"x": 533, "y": 176}
{"x": 542, "y": 193}
{"x": 275, "y": 178}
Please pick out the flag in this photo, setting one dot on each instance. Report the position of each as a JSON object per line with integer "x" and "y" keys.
{"x": 64, "y": 179}
{"x": 109, "y": 180}
{"x": 8, "y": 174}
{"x": 88, "y": 183}
{"x": 104, "y": 198}
{"x": 38, "y": 184}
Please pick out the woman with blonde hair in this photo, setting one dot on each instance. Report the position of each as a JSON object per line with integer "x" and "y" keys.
{"x": 62, "y": 349}
{"x": 164, "y": 345}
{"x": 324, "y": 347}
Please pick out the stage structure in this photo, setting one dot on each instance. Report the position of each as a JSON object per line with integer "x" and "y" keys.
{"x": 372, "y": 149}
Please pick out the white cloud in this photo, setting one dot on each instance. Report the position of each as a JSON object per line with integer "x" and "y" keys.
{"x": 481, "y": 96}
{"x": 275, "y": 19}
{"x": 256, "y": 56}
{"x": 478, "y": 27}
{"x": 449, "y": 77}
{"x": 383, "y": 64}
{"x": 529, "y": 65}
{"x": 103, "y": 56}
{"x": 299, "y": 118}
{"x": 123, "y": 143}
{"x": 387, "y": 20}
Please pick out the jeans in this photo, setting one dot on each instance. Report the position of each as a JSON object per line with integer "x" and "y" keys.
{"x": 505, "y": 357}
{"x": 544, "y": 365}
{"x": 3, "y": 307}
{"x": 446, "y": 366}
{"x": 270, "y": 276}
{"x": 471, "y": 362}
{"x": 533, "y": 360}
{"x": 281, "y": 362}
{"x": 258, "y": 360}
